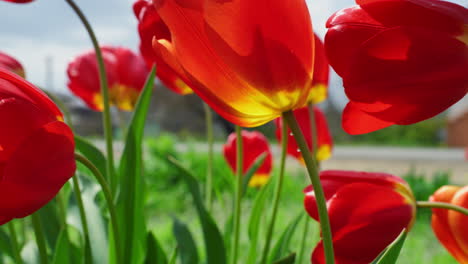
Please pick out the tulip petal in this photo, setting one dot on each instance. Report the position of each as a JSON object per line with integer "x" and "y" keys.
{"x": 18, "y": 87}
{"x": 18, "y": 118}
{"x": 398, "y": 61}
{"x": 356, "y": 121}
{"x": 150, "y": 25}
{"x": 254, "y": 145}
{"x": 458, "y": 222}
{"x": 7, "y": 62}
{"x": 387, "y": 60}
{"x": 361, "y": 232}
{"x": 48, "y": 153}
{"x": 248, "y": 84}
{"x": 440, "y": 16}
{"x": 441, "y": 226}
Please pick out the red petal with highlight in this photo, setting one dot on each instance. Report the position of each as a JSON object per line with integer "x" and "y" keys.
{"x": 246, "y": 69}
{"x": 386, "y": 60}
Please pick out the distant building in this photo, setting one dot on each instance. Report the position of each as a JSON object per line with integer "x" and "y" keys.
{"x": 457, "y": 128}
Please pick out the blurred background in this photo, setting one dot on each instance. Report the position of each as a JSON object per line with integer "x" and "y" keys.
{"x": 45, "y": 35}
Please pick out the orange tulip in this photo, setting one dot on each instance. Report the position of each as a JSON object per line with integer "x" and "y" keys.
{"x": 451, "y": 227}
{"x": 150, "y": 25}
{"x": 249, "y": 60}
{"x": 254, "y": 145}
{"x": 126, "y": 74}
{"x": 324, "y": 139}
{"x": 11, "y": 64}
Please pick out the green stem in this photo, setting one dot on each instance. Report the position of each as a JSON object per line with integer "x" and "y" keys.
{"x": 318, "y": 189}
{"x": 40, "y": 238}
{"x": 109, "y": 200}
{"x": 442, "y": 205}
{"x": 238, "y": 194}
{"x": 305, "y": 231}
{"x": 209, "y": 165}
{"x": 14, "y": 243}
{"x": 107, "y": 122}
{"x": 277, "y": 195}
{"x": 83, "y": 218}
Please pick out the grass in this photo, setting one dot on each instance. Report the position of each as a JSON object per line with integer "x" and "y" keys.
{"x": 169, "y": 199}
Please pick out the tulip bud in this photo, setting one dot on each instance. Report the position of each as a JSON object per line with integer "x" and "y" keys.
{"x": 126, "y": 75}
{"x": 254, "y": 145}
{"x": 450, "y": 227}
{"x": 367, "y": 212}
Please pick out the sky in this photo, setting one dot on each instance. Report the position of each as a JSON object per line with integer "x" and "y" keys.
{"x": 47, "y": 30}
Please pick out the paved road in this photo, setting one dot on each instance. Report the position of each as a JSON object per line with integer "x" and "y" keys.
{"x": 395, "y": 160}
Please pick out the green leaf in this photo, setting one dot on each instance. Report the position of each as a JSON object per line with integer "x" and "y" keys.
{"x": 282, "y": 245}
{"x": 214, "y": 244}
{"x": 94, "y": 217}
{"x": 287, "y": 260}
{"x": 187, "y": 248}
{"x": 251, "y": 171}
{"x": 154, "y": 253}
{"x": 391, "y": 253}
{"x": 254, "y": 221}
{"x": 50, "y": 223}
{"x": 5, "y": 243}
{"x": 130, "y": 205}
{"x": 174, "y": 256}
{"x": 92, "y": 153}
{"x": 65, "y": 252}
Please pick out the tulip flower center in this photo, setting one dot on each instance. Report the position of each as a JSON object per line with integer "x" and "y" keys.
{"x": 259, "y": 179}
{"x": 318, "y": 93}
{"x": 324, "y": 152}
{"x": 123, "y": 97}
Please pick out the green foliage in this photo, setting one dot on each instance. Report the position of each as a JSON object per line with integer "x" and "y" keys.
{"x": 214, "y": 244}
{"x": 187, "y": 249}
{"x": 425, "y": 133}
{"x": 154, "y": 253}
{"x": 423, "y": 187}
{"x": 131, "y": 202}
{"x": 391, "y": 253}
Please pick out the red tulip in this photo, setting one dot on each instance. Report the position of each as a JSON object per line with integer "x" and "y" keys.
{"x": 149, "y": 26}
{"x": 254, "y": 145}
{"x": 11, "y": 64}
{"x": 19, "y": 1}
{"x": 450, "y": 227}
{"x": 249, "y": 60}
{"x": 126, "y": 74}
{"x": 319, "y": 91}
{"x": 324, "y": 139}
{"x": 402, "y": 61}
{"x": 36, "y": 148}
{"x": 367, "y": 212}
